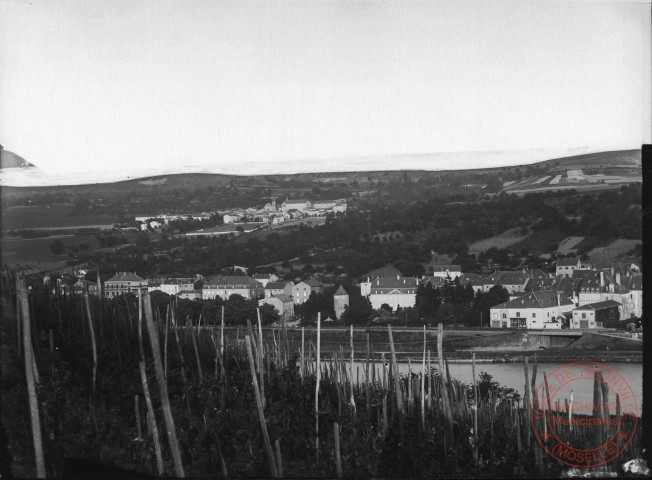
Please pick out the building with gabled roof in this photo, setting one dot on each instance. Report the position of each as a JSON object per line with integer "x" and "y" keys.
{"x": 284, "y": 304}
{"x": 513, "y": 281}
{"x": 125, "y": 282}
{"x": 264, "y": 278}
{"x": 273, "y": 289}
{"x": 544, "y": 309}
{"x": 394, "y": 291}
{"x": 596, "y": 315}
{"x": 172, "y": 286}
{"x": 315, "y": 285}
{"x": 435, "y": 282}
{"x": 82, "y": 285}
{"x": 444, "y": 270}
{"x": 299, "y": 205}
{"x": 565, "y": 266}
{"x": 387, "y": 271}
{"x": 224, "y": 286}
{"x": 301, "y": 292}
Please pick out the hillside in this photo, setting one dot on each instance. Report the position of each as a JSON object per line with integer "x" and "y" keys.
{"x": 625, "y": 163}
{"x": 11, "y": 160}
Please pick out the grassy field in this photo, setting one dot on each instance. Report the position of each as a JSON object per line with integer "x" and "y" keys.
{"x": 50, "y": 216}
{"x": 539, "y": 242}
{"x": 611, "y": 252}
{"x": 504, "y": 240}
{"x": 24, "y": 250}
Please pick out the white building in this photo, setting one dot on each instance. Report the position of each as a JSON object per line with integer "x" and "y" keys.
{"x": 173, "y": 286}
{"x": 394, "y": 291}
{"x": 536, "y": 310}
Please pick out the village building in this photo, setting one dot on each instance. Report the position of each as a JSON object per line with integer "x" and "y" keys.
{"x": 394, "y": 291}
{"x": 273, "y": 289}
{"x": 435, "y": 282}
{"x": 443, "y": 270}
{"x": 566, "y": 266}
{"x": 299, "y": 205}
{"x": 633, "y": 300}
{"x": 340, "y": 301}
{"x": 284, "y": 304}
{"x": 224, "y": 286}
{"x": 513, "y": 281}
{"x": 81, "y": 286}
{"x": 264, "y": 278}
{"x": 190, "y": 294}
{"x": 124, "y": 282}
{"x": 301, "y": 292}
{"x": 315, "y": 285}
{"x": 596, "y": 315}
{"x": 172, "y": 286}
{"x": 545, "y": 309}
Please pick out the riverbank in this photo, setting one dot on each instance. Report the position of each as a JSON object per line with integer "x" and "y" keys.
{"x": 459, "y": 346}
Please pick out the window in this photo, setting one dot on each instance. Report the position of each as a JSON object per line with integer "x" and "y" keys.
{"x": 518, "y": 314}
{"x": 504, "y": 315}
{"x": 584, "y": 315}
{"x": 534, "y": 315}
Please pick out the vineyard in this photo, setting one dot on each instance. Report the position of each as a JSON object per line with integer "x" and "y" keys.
{"x": 129, "y": 387}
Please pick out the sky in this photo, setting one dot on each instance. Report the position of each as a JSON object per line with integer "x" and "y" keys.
{"x": 115, "y": 87}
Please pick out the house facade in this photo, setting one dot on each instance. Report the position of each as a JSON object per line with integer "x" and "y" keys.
{"x": 265, "y": 278}
{"x": 299, "y": 205}
{"x": 446, "y": 270}
{"x": 301, "y": 292}
{"x": 124, "y": 282}
{"x": 278, "y": 288}
{"x": 172, "y": 286}
{"x": 513, "y": 281}
{"x": 82, "y": 286}
{"x": 536, "y": 310}
{"x": 394, "y": 291}
{"x": 224, "y": 286}
{"x": 284, "y": 304}
{"x": 596, "y": 315}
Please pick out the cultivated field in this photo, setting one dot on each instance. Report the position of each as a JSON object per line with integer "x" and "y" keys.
{"x": 51, "y": 217}
{"x": 611, "y": 252}
{"x": 24, "y": 250}
{"x": 568, "y": 244}
{"x": 504, "y": 240}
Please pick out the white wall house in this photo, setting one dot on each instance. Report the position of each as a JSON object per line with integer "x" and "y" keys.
{"x": 536, "y": 310}
{"x": 394, "y": 291}
{"x": 227, "y": 285}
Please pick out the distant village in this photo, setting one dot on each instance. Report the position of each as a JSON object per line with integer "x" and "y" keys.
{"x": 244, "y": 220}
{"x": 575, "y": 296}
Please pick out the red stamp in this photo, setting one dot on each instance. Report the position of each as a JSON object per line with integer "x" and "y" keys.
{"x": 591, "y": 428}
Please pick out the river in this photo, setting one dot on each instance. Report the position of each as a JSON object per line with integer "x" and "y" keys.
{"x": 512, "y": 375}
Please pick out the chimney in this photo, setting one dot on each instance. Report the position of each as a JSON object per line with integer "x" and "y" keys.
{"x": 398, "y": 277}
{"x": 558, "y": 299}
{"x": 618, "y": 279}
{"x": 601, "y": 279}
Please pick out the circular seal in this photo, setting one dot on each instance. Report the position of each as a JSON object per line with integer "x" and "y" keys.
{"x": 592, "y": 429}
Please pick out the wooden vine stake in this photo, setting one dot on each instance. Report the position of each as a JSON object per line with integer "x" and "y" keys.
{"x": 92, "y": 332}
{"x": 163, "y": 387}
{"x": 28, "y": 354}
{"x": 475, "y": 414}
{"x": 338, "y": 457}
{"x": 397, "y": 385}
{"x": 261, "y": 414}
{"x": 318, "y": 372}
{"x": 151, "y": 419}
{"x": 423, "y": 383}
